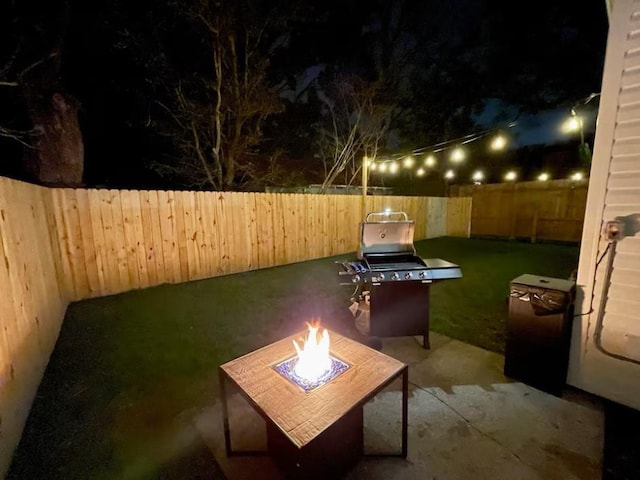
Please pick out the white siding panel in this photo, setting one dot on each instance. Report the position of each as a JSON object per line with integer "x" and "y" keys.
{"x": 626, "y": 163}
{"x": 631, "y": 56}
{"x": 621, "y": 290}
{"x": 613, "y": 211}
{"x": 611, "y": 369}
{"x": 629, "y": 111}
{"x": 628, "y": 129}
{"x": 622, "y": 306}
{"x": 621, "y": 324}
{"x": 625, "y": 196}
{"x": 629, "y": 245}
{"x": 625, "y": 274}
{"x": 625, "y": 146}
{"x": 629, "y": 264}
{"x": 624, "y": 180}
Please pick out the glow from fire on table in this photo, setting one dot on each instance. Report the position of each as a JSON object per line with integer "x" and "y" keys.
{"x": 313, "y": 355}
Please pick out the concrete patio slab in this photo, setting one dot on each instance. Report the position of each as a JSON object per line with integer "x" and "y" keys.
{"x": 466, "y": 421}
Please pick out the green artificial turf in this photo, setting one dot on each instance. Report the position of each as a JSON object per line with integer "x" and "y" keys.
{"x": 131, "y": 371}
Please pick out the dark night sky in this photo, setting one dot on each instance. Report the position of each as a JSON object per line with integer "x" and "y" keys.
{"x": 494, "y": 59}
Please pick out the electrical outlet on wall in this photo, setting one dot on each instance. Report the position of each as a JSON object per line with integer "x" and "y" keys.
{"x": 613, "y": 230}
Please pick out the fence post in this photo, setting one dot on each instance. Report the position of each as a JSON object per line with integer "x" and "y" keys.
{"x": 514, "y": 211}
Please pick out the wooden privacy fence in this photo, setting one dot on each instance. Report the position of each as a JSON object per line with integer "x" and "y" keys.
{"x": 61, "y": 245}
{"x": 32, "y": 304}
{"x": 117, "y": 240}
{"x": 552, "y": 210}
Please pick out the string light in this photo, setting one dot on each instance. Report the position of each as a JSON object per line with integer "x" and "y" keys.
{"x": 498, "y": 143}
{"x": 457, "y": 155}
{"x": 430, "y": 161}
{"x": 572, "y": 124}
{"x": 510, "y": 176}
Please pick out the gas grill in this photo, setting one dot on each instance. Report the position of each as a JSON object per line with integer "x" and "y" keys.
{"x": 392, "y": 282}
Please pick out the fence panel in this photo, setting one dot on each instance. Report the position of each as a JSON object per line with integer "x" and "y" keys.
{"x": 110, "y": 241}
{"x": 32, "y": 305}
{"x": 552, "y": 210}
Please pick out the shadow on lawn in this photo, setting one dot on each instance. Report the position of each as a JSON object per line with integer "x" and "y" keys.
{"x": 130, "y": 372}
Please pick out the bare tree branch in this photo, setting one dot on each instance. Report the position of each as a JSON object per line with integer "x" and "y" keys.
{"x": 358, "y": 119}
{"x": 17, "y": 135}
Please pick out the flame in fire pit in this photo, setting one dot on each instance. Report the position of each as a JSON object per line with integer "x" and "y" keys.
{"x": 313, "y": 366}
{"x": 313, "y": 356}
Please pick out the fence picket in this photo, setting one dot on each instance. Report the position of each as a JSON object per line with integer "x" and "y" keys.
{"x": 88, "y": 243}
{"x": 181, "y": 215}
{"x": 100, "y": 247}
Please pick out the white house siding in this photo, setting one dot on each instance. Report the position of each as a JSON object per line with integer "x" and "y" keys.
{"x": 609, "y": 291}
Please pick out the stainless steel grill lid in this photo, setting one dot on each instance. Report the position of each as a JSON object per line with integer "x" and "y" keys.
{"x": 386, "y": 233}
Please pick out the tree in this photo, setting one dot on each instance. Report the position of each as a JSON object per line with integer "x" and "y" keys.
{"x": 355, "y": 122}
{"x": 53, "y": 151}
{"x": 221, "y": 110}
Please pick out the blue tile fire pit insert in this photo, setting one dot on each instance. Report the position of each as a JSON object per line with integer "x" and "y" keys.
{"x": 287, "y": 370}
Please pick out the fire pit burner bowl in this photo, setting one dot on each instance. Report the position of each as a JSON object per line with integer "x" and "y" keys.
{"x": 287, "y": 370}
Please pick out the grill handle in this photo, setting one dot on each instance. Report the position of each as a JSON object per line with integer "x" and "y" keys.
{"x": 386, "y": 216}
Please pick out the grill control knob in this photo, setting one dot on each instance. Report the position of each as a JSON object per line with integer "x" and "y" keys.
{"x": 407, "y": 276}
{"x": 356, "y": 278}
{"x": 422, "y": 275}
{"x": 380, "y": 277}
{"x": 395, "y": 276}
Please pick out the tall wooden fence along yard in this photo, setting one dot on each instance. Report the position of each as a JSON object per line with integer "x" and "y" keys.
{"x": 32, "y": 304}
{"x": 552, "y": 210}
{"x": 118, "y": 240}
{"x": 62, "y": 245}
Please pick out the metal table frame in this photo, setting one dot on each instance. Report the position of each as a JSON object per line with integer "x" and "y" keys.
{"x": 224, "y": 377}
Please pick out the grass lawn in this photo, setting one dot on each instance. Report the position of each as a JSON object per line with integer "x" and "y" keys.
{"x": 130, "y": 371}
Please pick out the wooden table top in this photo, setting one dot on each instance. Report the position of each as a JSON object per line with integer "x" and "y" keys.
{"x": 304, "y": 415}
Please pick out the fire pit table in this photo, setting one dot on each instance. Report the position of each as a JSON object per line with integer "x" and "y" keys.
{"x": 313, "y": 431}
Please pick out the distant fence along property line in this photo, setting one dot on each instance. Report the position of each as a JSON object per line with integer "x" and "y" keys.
{"x": 552, "y": 210}
{"x": 61, "y": 245}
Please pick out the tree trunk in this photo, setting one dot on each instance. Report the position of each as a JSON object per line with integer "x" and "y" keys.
{"x": 57, "y": 158}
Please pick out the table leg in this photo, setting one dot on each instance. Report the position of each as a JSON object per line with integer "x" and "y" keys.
{"x": 225, "y": 414}
{"x": 405, "y": 410}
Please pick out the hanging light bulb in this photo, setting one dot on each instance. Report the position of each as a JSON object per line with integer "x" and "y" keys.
{"x": 510, "y": 176}
{"x": 383, "y": 167}
{"x": 572, "y": 124}
{"x": 420, "y": 172}
{"x": 430, "y": 161}
{"x": 577, "y": 176}
{"x": 393, "y": 167}
{"x": 450, "y": 174}
{"x": 478, "y": 176}
{"x": 543, "y": 177}
{"x": 457, "y": 155}
{"x": 408, "y": 162}
{"x": 373, "y": 166}
{"x": 498, "y": 142}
